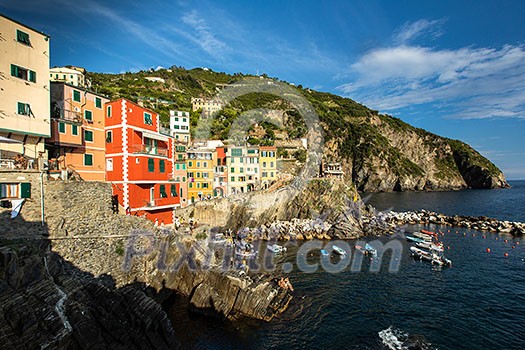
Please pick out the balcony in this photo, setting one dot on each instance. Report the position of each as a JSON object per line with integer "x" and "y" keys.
{"x": 67, "y": 115}
{"x": 150, "y": 150}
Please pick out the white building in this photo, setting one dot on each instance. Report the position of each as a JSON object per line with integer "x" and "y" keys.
{"x": 180, "y": 126}
{"x": 24, "y": 90}
{"x": 73, "y": 76}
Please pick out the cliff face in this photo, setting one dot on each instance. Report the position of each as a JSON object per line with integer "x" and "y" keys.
{"x": 397, "y": 157}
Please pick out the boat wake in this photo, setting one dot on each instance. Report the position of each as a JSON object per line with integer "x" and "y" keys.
{"x": 395, "y": 339}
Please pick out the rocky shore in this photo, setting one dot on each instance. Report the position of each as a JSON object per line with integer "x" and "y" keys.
{"x": 480, "y": 223}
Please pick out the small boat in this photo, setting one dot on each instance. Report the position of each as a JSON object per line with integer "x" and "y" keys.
{"x": 338, "y": 251}
{"x": 324, "y": 253}
{"x": 369, "y": 250}
{"x": 275, "y": 248}
{"x": 414, "y": 239}
{"x": 423, "y": 236}
{"x": 218, "y": 239}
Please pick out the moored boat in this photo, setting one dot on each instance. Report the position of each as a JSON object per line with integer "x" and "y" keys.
{"x": 338, "y": 250}
{"x": 275, "y": 248}
{"x": 414, "y": 239}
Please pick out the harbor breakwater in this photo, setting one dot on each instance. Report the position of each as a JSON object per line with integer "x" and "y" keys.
{"x": 480, "y": 223}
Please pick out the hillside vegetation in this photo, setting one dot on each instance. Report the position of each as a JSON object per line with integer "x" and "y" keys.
{"x": 378, "y": 152}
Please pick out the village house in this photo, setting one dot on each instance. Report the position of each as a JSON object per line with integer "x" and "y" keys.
{"x": 139, "y": 162}
{"x": 24, "y": 94}
{"x": 77, "y": 143}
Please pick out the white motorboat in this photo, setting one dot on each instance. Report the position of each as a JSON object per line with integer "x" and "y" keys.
{"x": 338, "y": 250}
{"x": 275, "y": 248}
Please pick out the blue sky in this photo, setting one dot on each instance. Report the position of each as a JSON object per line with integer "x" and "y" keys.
{"x": 456, "y": 68}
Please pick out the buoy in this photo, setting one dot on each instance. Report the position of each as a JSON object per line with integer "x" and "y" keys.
{"x": 506, "y": 255}
{"x": 513, "y": 246}
{"x": 506, "y": 241}
{"x": 497, "y": 238}
{"x": 517, "y": 242}
{"x": 487, "y": 250}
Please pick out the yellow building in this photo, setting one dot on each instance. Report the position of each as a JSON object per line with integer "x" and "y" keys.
{"x": 24, "y": 90}
{"x": 208, "y": 106}
{"x": 200, "y": 164}
{"x": 267, "y": 165}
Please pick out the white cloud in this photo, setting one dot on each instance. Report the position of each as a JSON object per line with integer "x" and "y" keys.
{"x": 467, "y": 82}
{"x": 202, "y": 34}
{"x": 412, "y": 30}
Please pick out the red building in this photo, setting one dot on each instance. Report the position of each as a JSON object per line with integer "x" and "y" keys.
{"x": 139, "y": 162}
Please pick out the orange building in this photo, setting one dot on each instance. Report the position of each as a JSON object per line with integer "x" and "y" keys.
{"x": 139, "y": 162}
{"x": 179, "y": 170}
{"x": 77, "y": 140}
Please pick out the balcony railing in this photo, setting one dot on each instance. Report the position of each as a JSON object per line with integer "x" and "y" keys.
{"x": 148, "y": 149}
{"x": 67, "y": 115}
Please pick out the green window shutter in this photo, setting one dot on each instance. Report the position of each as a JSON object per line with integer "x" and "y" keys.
{"x": 62, "y": 128}
{"x": 162, "y": 190}
{"x": 22, "y": 37}
{"x": 32, "y": 76}
{"x": 74, "y": 130}
{"x": 183, "y": 179}
{"x": 88, "y": 159}
{"x": 88, "y": 115}
{"x": 232, "y": 178}
{"x": 25, "y": 190}
{"x": 162, "y": 166}
{"x": 76, "y": 95}
{"x": 21, "y": 108}
{"x": 173, "y": 191}
{"x": 151, "y": 165}
{"x": 14, "y": 70}
{"x": 232, "y": 170}
{"x": 88, "y": 135}
{"x": 108, "y": 111}
{"x": 98, "y": 102}
{"x": 177, "y": 166}
{"x": 147, "y": 119}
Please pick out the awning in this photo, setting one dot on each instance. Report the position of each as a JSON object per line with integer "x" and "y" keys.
{"x": 8, "y": 140}
{"x": 155, "y": 136}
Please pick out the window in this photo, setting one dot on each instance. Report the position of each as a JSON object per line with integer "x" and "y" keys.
{"x": 175, "y": 126}
{"x": 190, "y": 163}
{"x": 232, "y": 178}
{"x": 151, "y": 165}
{"x": 264, "y": 164}
{"x": 88, "y": 135}
{"x": 198, "y": 175}
{"x": 271, "y": 174}
{"x": 271, "y": 164}
{"x": 204, "y": 185}
{"x": 241, "y": 160}
{"x": 173, "y": 190}
{"x": 147, "y": 119}
{"x": 23, "y": 73}
{"x": 264, "y": 174}
{"x": 198, "y": 164}
{"x": 88, "y": 115}
{"x": 62, "y": 128}
{"x": 190, "y": 185}
{"x": 180, "y": 192}
{"x": 205, "y": 164}
{"x": 198, "y": 185}
{"x": 109, "y": 164}
{"x": 190, "y": 174}
{"x": 204, "y": 175}
{"x": 183, "y": 166}
{"x": 176, "y": 119}
{"x": 76, "y": 95}
{"x": 242, "y": 170}
{"x": 232, "y": 170}
{"x": 162, "y": 166}
{"x": 24, "y": 108}
{"x": 98, "y": 102}
{"x": 74, "y": 130}
{"x": 184, "y": 120}
{"x": 108, "y": 112}
{"x": 237, "y": 152}
{"x": 23, "y": 37}
{"x": 177, "y": 166}
{"x": 183, "y": 179}
{"x": 88, "y": 159}
{"x": 162, "y": 190}
{"x": 109, "y": 136}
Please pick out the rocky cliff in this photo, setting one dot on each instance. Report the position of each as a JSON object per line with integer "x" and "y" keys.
{"x": 66, "y": 284}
